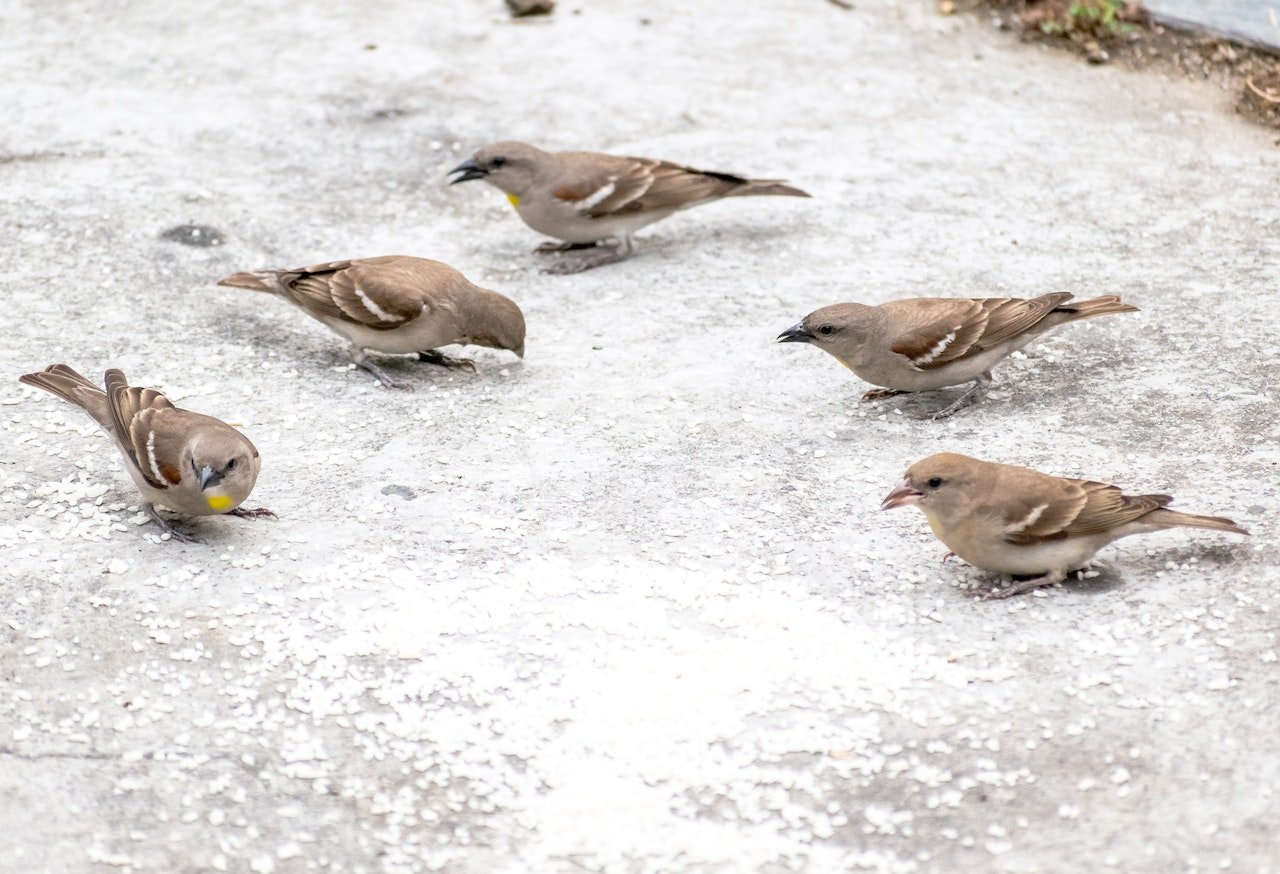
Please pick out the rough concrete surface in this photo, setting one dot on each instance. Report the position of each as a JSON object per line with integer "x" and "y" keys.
{"x": 629, "y": 605}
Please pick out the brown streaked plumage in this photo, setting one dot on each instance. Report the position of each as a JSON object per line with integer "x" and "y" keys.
{"x": 396, "y": 304}
{"x": 191, "y": 463}
{"x": 1017, "y": 521}
{"x": 928, "y": 343}
{"x": 583, "y": 198}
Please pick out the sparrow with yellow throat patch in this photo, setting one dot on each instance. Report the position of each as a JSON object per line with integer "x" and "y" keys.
{"x": 1017, "y": 521}
{"x": 584, "y": 198}
{"x": 398, "y": 305}
{"x": 928, "y": 343}
{"x": 193, "y": 464}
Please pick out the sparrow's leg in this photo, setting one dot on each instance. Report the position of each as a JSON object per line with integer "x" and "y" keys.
{"x": 165, "y": 527}
{"x": 947, "y": 556}
{"x": 975, "y": 391}
{"x": 361, "y": 360}
{"x": 1020, "y": 586}
{"x": 549, "y": 248}
{"x": 431, "y": 356}
{"x": 260, "y": 513}
{"x": 607, "y": 255}
{"x": 879, "y": 394}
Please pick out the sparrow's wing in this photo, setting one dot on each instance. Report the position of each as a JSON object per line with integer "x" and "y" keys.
{"x": 611, "y": 186}
{"x": 1009, "y": 317}
{"x": 933, "y": 332}
{"x": 139, "y": 417}
{"x": 1053, "y": 508}
{"x": 382, "y": 296}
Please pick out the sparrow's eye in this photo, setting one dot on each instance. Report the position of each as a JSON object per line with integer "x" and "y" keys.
{"x": 827, "y": 329}
{"x": 497, "y": 162}
{"x": 934, "y": 482}
{"x": 231, "y": 465}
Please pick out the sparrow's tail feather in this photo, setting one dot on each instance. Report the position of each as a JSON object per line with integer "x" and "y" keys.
{"x": 1174, "y": 519}
{"x": 267, "y": 281}
{"x": 61, "y": 380}
{"x": 766, "y": 187}
{"x": 1086, "y": 309}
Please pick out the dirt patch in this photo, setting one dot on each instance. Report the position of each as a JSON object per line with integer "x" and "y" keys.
{"x": 1132, "y": 37}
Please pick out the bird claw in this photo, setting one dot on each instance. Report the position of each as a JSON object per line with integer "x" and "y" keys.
{"x": 549, "y": 248}
{"x": 387, "y": 380}
{"x": 607, "y": 255}
{"x": 970, "y": 395}
{"x": 947, "y": 556}
{"x": 945, "y": 413}
{"x": 879, "y": 394}
{"x": 431, "y": 356}
{"x": 174, "y": 533}
{"x": 1018, "y": 587}
{"x": 393, "y": 383}
{"x": 569, "y": 266}
{"x": 259, "y": 513}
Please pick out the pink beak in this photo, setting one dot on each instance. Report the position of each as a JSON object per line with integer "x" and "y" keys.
{"x": 903, "y": 496}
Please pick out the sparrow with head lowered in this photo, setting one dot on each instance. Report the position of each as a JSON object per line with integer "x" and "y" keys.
{"x": 193, "y": 464}
{"x": 928, "y": 343}
{"x": 584, "y": 198}
{"x": 398, "y": 305}
{"x": 1020, "y": 522}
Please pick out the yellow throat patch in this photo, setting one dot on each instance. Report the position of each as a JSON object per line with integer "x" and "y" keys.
{"x": 221, "y": 503}
{"x": 515, "y": 201}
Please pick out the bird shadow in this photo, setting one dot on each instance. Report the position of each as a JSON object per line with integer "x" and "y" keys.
{"x": 921, "y": 406}
{"x": 1105, "y": 580}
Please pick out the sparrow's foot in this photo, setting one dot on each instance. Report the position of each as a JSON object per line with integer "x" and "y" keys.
{"x": 947, "y": 556}
{"x": 1018, "y": 587}
{"x": 974, "y": 392}
{"x": 604, "y": 255}
{"x": 431, "y": 356}
{"x": 174, "y": 533}
{"x": 260, "y": 513}
{"x": 549, "y": 248}
{"x": 879, "y": 394}
{"x": 359, "y": 359}
{"x": 387, "y": 380}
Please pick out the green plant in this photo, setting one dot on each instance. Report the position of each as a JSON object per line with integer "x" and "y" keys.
{"x": 1096, "y": 18}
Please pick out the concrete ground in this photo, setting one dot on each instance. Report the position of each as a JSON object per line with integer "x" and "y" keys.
{"x": 630, "y": 605}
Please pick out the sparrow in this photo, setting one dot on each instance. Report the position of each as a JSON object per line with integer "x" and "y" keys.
{"x": 927, "y": 343}
{"x": 396, "y": 304}
{"x": 584, "y": 198}
{"x": 191, "y": 463}
{"x": 1017, "y": 521}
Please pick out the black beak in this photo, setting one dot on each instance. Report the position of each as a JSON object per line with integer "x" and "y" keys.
{"x": 209, "y": 477}
{"x": 797, "y": 333}
{"x": 469, "y": 170}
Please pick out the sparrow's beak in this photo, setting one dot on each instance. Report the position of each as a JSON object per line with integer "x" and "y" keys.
{"x": 797, "y": 333}
{"x": 469, "y": 170}
{"x": 209, "y": 477}
{"x": 903, "y": 496}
